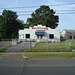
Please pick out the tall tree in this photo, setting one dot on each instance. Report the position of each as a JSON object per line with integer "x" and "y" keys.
{"x": 9, "y": 25}
{"x": 45, "y": 16}
{"x": 1, "y": 26}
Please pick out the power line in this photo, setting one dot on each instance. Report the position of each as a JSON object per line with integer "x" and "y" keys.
{"x": 20, "y": 7}
{"x": 24, "y": 11}
{"x": 64, "y": 10}
{"x": 55, "y": 13}
{"x": 34, "y": 11}
{"x": 66, "y": 13}
{"x": 23, "y": 14}
{"x": 39, "y": 6}
{"x": 63, "y": 4}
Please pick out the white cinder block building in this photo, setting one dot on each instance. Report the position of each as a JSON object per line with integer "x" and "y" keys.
{"x": 39, "y": 33}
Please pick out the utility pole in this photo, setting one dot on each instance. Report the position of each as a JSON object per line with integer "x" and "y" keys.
{"x": 30, "y": 45}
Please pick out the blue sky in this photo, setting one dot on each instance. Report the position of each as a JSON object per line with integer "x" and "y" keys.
{"x": 66, "y": 21}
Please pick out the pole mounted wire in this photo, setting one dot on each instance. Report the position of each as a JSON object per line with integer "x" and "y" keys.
{"x": 38, "y": 6}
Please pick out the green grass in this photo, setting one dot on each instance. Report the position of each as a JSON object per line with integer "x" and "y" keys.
{"x": 53, "y": 47}
{"x": 49, "y": 55}
{"x": 1, "y": 49}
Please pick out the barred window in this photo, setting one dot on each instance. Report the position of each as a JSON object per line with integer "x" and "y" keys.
{"x": 51, "y": 36}
{"x": 27, "y": 35}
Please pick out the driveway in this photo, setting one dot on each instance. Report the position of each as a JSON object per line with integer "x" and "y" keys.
{"x": 17, "y": 47}
{"x": 20, "y": 47}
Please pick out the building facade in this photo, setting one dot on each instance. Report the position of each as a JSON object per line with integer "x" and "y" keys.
{"x": 68, "y": 34}
{"x": 39, "y": 33}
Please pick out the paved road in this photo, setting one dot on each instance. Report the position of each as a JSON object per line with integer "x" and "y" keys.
{"x": 11, "y": 67}
{"x": 50, "y": 67}
{"x": 38, "y": 67}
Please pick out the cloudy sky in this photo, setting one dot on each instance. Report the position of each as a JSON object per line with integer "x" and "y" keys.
{"x": 66, "y": 21}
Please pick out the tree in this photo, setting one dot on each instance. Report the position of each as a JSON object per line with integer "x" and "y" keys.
{"x": 9, "y": 25}
{"x": 1, "y": 23}
{"x": 45, "y": 16}
{"x": 21, "y": 24}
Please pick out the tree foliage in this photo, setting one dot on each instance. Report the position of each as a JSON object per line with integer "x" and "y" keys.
{"x": 9, "y": 25}
{"x": 45, "y": 16}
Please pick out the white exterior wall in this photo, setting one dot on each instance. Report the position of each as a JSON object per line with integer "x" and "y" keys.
{"x": 27, "y": 31}
{"x": 56, "y": 33}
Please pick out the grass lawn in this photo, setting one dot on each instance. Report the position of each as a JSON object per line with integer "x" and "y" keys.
{"x": 1, "y": 49}
{"x": 49, "y": 55}
{"x": 53, "y": 47}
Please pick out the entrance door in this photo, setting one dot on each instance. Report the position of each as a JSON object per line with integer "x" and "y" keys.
{"x": 39, "y": 38}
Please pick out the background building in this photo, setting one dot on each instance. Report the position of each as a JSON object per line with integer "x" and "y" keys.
{"x": 68, "y": 34}
{"x": 40, "y": 33}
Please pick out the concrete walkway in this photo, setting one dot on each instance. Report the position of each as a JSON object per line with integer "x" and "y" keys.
{"x": 20, "y": 47}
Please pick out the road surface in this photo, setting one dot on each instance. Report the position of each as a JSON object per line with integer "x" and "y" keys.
{"x": 38, "y": 67}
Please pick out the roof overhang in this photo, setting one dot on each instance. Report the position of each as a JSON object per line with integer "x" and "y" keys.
{"x": 39, "y": 33}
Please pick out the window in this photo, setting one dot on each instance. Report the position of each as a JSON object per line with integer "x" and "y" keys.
{"x": 27, "y": 35}
{"x": 74, "y": 37}
{"x": 70, "y": 37}
{"x": 51, "y": 36}
{"x": 23, "y": 35}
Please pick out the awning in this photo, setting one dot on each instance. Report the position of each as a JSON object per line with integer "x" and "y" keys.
{"x": 39, "y": 33}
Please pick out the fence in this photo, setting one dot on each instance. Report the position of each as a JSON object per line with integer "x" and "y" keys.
{"x": 30, "y": 45}
{"x": 63, "y": 46}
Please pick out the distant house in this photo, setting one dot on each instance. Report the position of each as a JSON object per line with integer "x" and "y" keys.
{"x": 40, "y": 33}
{"x": 68, "y": 34}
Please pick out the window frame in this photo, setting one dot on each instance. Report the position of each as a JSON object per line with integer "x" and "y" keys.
{"x": 27, "y": 36}
{"x": 51, "y": 36}
{"x": 70, "y": 37}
